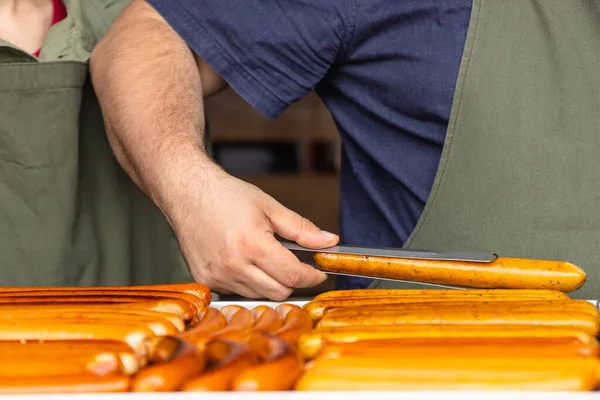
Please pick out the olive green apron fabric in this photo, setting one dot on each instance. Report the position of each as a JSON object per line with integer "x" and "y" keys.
{"x": 69, "y": 215}
{"x": 520, "y": 169}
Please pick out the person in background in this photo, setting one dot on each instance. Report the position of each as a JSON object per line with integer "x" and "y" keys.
{"x": 69, "y": 215}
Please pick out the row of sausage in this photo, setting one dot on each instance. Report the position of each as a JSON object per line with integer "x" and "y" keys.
{"x": 169, "y": 338}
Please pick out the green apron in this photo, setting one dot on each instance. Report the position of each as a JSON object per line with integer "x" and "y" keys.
{"x": 69, "y": 215}
{"x": 520, "y": 169}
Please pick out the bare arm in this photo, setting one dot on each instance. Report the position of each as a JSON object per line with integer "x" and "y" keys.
{"x": 147, "y": 80}
{"x": 151, "y": 89}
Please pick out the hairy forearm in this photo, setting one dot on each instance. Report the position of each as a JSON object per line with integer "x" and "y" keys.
{"x": 148, "y": 85}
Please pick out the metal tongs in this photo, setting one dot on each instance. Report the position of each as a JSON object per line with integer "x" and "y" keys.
{"x": 464, "y": 256}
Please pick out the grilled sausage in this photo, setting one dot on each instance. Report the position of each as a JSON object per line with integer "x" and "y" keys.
{"x": 227, "y": 358}
{"x": 69, "y": 365}
{"x": 96, "y": 353}
{"x": 164, "y": 308}
{"x": 310, "y": 344}
{"x": 35, "y": 365}
{"x": 192, "y": 300}
{"x": 439, "y": 294}
{"x": 212, "y": 321}
{"x": 90, "y": 312}
{"x": 202, "y": 292}
{"x": 296, "y": 322}
{"x": 266, "y": 319}
{"x": 173, "y": 362}
{"x": 317, "y": 308}
{"x": 279, "y": 369}
{"x": 506, "y": 306}
{"x": 571, "y": 315}
{"x": 177, "y": 306}
{"x": 240, "y": 322}
{"x": 157, "y": 327}
{"x": 68, "y": 384}
{"x": 462, "y": 347}
{"x": 160, "y": 326}
{"x": 563, "y": 374}
{"x": 53, "y": 347}
{"x": 132, "y": 334}
{"x": 502, "y": 273}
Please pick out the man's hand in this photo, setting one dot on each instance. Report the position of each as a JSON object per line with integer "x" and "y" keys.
{"x": 226, "y": 235}
{"x": 151, "y": 89}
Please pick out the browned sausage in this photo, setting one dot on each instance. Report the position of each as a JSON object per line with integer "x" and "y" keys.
{"x": 278, "y": 371}
{"x": 129, "y": 363}
{"x": 197, "y": 289}
{"x": 502, "y": 273}
{"x": 100, "y": 356}
{"x": 34, "y": 365}
{"x": 156, "y": 327}
{"x": 266, "y": 319}
{"x": 317, "y": 308}
{"x": 59, "y": 365}
{"x": 212, "y": 321}
{"x": 160, "y": 326}
{"x": 178, "y": 306}
{"x": 69, "y": 384}
{"x": 296, "y": 322}
{"x": 52, "y": 347}
{"x": 432, "y": 373}
{"x": 310, "y": 344}
{"x": 166, "y": 308}
{"x": 462, "y": 347}
{"x": 240, "y": 321}
{"x": 174, "y": 360}
{"x": 192, "y": 300}
{"x": 90, "y": 312}
{"x": 202, "y": 292}
{"x": 456, "y": 305}
{"x": 133, "y": 334}
{"x": 227, "y": 359}
{"x": 238, "y": 314}
{"x": 569, "y": 315}
{"x": 443, "y": 294}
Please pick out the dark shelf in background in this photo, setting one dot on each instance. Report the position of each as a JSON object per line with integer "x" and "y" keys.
{"x": 241, "y": 157}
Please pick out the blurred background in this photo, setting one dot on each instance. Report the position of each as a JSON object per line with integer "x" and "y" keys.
{"x": 295, "y": 158}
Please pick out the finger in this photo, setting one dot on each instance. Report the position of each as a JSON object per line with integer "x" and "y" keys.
{"x": 293, "y": 226}
{"x": 283, "y": 266}
{"x": 262, "y": 283}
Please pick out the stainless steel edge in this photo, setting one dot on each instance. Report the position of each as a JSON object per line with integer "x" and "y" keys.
{"x": 398, "y": 253}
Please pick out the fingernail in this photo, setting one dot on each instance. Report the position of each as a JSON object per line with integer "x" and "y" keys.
{"x": 328, "y": 234}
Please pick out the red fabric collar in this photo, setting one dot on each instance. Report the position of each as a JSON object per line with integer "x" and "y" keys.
{"x": 59, "y": 12}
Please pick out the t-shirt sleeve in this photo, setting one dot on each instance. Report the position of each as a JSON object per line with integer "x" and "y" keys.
{"x": 271, "y": 52}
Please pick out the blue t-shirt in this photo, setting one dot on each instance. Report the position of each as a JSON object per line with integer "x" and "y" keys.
{"x": 386, "y": 69}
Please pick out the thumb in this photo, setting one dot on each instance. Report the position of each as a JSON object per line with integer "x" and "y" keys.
{"x": 292, "y": 226}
